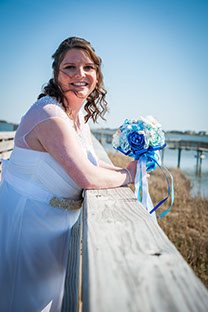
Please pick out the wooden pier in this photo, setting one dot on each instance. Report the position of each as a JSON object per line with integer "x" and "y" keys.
{"x": 105, "y": 136}
{"x": 127, "y": 263}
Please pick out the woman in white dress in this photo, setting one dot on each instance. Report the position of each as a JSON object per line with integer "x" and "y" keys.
{"x": 52, "y": 161}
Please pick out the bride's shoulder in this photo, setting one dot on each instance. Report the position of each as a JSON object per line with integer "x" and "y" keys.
{"x": 46, "y": 100}
{"x": 49, "y": 107}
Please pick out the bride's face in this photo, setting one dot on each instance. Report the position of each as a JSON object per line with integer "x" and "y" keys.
{"x": 77, "y": 72}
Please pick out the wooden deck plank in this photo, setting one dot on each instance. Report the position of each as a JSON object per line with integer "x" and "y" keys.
{"x": 6, "y": 145}
{"x": 7, "y": 134}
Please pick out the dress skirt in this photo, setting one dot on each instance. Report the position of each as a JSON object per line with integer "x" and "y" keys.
{"x": 34, "y": 245}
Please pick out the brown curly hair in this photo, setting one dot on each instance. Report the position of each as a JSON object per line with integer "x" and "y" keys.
{"x": 96, "y": 105}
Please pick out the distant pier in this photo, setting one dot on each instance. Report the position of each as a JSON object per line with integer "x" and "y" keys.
{"x": 105, "y": 136}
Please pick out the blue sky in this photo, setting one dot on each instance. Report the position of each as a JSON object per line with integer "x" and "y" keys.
{"x": 154, "y": 55}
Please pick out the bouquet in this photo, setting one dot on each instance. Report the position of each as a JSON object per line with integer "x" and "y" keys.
{"x": 142, "y": 139}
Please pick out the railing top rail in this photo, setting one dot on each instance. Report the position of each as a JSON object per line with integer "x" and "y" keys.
{"x": 196, "y": 145}
{"x": 128, "y": 262}
{"x": 6, "y": 144}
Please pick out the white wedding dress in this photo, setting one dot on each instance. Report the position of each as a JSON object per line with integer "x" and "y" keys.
{"x": 34, "y": 236}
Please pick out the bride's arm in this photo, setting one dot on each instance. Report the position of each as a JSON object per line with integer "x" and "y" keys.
{"x": 101, "y": 163}
{"x": 105, "y": 165}
{"x": 58, "y": 138}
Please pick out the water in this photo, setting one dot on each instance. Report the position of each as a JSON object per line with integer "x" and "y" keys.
{"x": 6, "y": 127}
{"x": 199, "y": 185}
{"x": 188, "y": 167}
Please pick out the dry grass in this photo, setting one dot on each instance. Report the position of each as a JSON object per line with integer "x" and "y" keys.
{"x": 186, "y": 223}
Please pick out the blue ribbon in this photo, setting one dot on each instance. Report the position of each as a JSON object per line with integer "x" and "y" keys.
{"x": 137, "y": 154}
{"x": 172, "y": 194}
{"x": 145, "y": 189}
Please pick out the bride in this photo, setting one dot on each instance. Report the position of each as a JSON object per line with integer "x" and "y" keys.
{"x": 40, "y": 194}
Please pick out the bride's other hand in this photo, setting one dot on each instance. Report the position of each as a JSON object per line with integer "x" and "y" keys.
{"x": 132, "y": 168}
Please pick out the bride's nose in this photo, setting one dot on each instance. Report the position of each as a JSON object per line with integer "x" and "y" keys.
{"x": 79, "y": 72}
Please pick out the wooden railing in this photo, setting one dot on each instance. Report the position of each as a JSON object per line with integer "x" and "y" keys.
{"x": 187, "y": 145}
{"x": 127, "y": 263}
{"x": 6, "y": 144}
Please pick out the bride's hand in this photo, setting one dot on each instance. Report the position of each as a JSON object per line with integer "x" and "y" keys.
{"x": 132, "y": 167}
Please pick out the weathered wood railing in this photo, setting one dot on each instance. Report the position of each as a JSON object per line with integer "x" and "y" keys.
{"x": 6, "y": 144}
{"x": 127, "y": 262}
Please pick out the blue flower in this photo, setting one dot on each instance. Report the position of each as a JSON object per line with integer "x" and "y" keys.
{"x": 137, "y": 142}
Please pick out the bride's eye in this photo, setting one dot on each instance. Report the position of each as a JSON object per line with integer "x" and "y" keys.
{"x": 70, "y": 67}
{"x": 89, "y": 67}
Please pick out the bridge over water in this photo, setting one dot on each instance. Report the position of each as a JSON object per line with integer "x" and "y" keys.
{"x": 105, "y": 136}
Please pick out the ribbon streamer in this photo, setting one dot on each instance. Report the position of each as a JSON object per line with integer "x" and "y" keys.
{"x": 141, "y": 185}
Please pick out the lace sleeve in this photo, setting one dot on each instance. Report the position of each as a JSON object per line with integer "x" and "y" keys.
{"x": 44, "y": 109}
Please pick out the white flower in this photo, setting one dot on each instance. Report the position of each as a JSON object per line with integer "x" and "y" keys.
{"x": 151, "y": 121}
{"x": 116, "y": 140}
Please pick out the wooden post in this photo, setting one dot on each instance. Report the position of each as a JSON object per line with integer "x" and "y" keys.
{"x": 71, "y": 291}
{"x": 200, "y": 162}
{"x": 197, "y": 162}
{"x": 102, "y": 138}
{"x": 179, "y": 157}
{"x": 163, "y": 153}
{"x": 108, "y": 138}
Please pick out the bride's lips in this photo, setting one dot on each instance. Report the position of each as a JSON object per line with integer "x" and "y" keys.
{"x": 79, "y": 84}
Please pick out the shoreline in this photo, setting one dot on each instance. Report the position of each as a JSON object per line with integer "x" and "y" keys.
{"x": 186, "y": 222}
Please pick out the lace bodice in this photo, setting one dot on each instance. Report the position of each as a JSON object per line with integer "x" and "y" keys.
{"x": 48, "y": 108}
